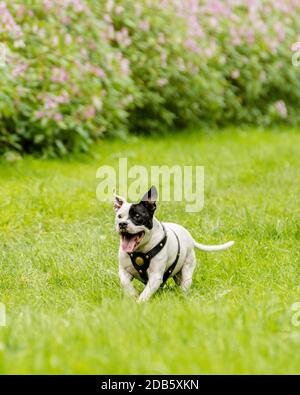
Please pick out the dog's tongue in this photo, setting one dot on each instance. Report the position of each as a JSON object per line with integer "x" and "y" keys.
{"x": 128, "y": 242}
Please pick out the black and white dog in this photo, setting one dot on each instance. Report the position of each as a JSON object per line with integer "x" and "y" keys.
{"x": 152, "y": 251}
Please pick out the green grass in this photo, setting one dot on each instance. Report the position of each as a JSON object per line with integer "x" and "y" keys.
{"x": 66, "y": 312}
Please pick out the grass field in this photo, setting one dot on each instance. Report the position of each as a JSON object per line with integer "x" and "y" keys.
{"x": 66, "y": 312}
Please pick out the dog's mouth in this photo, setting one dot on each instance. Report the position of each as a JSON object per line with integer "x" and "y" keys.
{"x": 131, "y": 241}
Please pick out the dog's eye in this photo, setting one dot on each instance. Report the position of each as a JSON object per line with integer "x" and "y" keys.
{"x": 137, "y": 215}
{"x": 119, "y": 216}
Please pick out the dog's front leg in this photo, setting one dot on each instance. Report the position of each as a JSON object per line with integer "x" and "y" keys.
{"x": 153, "y": 284}
{"x": 126, "y": 281}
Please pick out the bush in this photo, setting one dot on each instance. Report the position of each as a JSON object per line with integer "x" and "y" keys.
{"x": 61, "y": 89}
{"x": 78, "y": 69}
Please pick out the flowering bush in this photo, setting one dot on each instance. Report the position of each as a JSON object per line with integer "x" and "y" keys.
{"x": 73, "y": 70}
{"x": 63, "y": 84}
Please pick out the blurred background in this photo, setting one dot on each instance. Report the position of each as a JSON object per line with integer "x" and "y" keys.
{"x": 73, "y": 71}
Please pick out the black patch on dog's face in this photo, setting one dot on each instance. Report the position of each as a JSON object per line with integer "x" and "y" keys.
{"x": 140, "y": 215}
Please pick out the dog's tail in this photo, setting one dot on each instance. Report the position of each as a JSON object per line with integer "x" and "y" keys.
{"x": 213, "y": 248}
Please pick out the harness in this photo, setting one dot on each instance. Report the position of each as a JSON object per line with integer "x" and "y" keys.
{"x": 141, "y": 260}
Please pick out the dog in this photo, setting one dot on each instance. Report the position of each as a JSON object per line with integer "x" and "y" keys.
{"x": 153, "y": 251}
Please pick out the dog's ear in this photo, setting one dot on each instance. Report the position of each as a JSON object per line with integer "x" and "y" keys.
{"x": 150, "y": 198}
{"x": 118, "y": 202}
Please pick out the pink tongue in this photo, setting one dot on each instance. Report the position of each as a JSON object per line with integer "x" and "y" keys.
{"x": 128, "y": 244}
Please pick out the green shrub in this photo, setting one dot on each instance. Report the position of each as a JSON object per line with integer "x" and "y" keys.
{"x": 79, "y": 69}
{"x": 63, "y": 86}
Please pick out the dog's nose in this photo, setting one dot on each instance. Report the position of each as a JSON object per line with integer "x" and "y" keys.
{"x": 123, "y": 225}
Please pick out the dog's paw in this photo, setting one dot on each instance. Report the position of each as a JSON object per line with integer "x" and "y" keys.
{"x": 132, "y": 295}
{"x": 142, "y": 298}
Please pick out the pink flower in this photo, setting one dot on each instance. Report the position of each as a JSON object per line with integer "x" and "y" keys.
{"x": 296, "y": 46}
{"x": 19, "y": 70}
{"x": 20, "y": 90}
{"x": 129, "y": 98}
{"x": 92, "y": 45}
{"x": 50, "y": 104}
{"x": 236, "y": 41}
{"x": 48, "y": 4}
{"x": 192, "y": 45}
{"x": 98, "y": 72}
{"x": 58, "y": 117}
{"x": 68, "y": 39}
{"x": 250, "y": 37}
{"x": 213, "y": 22}
{"x": 162, "y": 82}
{"x": 41, "y": 33}
{"x": 212, "y": 49}
{"x": 66, "y": 20}
{"x": 7, "y": 22}
{"x": 55, "y": 41}
{"x": 84, "y": 52}
{"x": 161, "y": 38}
{"x": 20, "y": 11}
{"x": 107, "y": 18}
{"x": 123, "y": 38}
{"x": 78, "y": 5}
{"x": 90, "y": 112}
{"x": 62, "y": 99}
{"x": 235, "y": 74}
{"x": 39, "y": 114}
{"x": 109, "y": 5}
{"x": 59, "y": 75}
{"x": 280, "y": 31}
{"x": 144, "y": 25}
{"x": 263, "y": 76}
{"x": 124, "y": 64}
{"x": 209, "y": 52}
{"x": 281, "y": 108}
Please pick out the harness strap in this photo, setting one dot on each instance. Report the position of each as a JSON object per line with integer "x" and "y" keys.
{"x": 168, "y": 273}
{"x": 141, "y": 260}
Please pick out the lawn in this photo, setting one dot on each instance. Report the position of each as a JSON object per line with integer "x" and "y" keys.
{"x": 66, "y": 312}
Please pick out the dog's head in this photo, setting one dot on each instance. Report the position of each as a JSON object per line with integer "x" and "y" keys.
{"x": 134, "y": 220}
